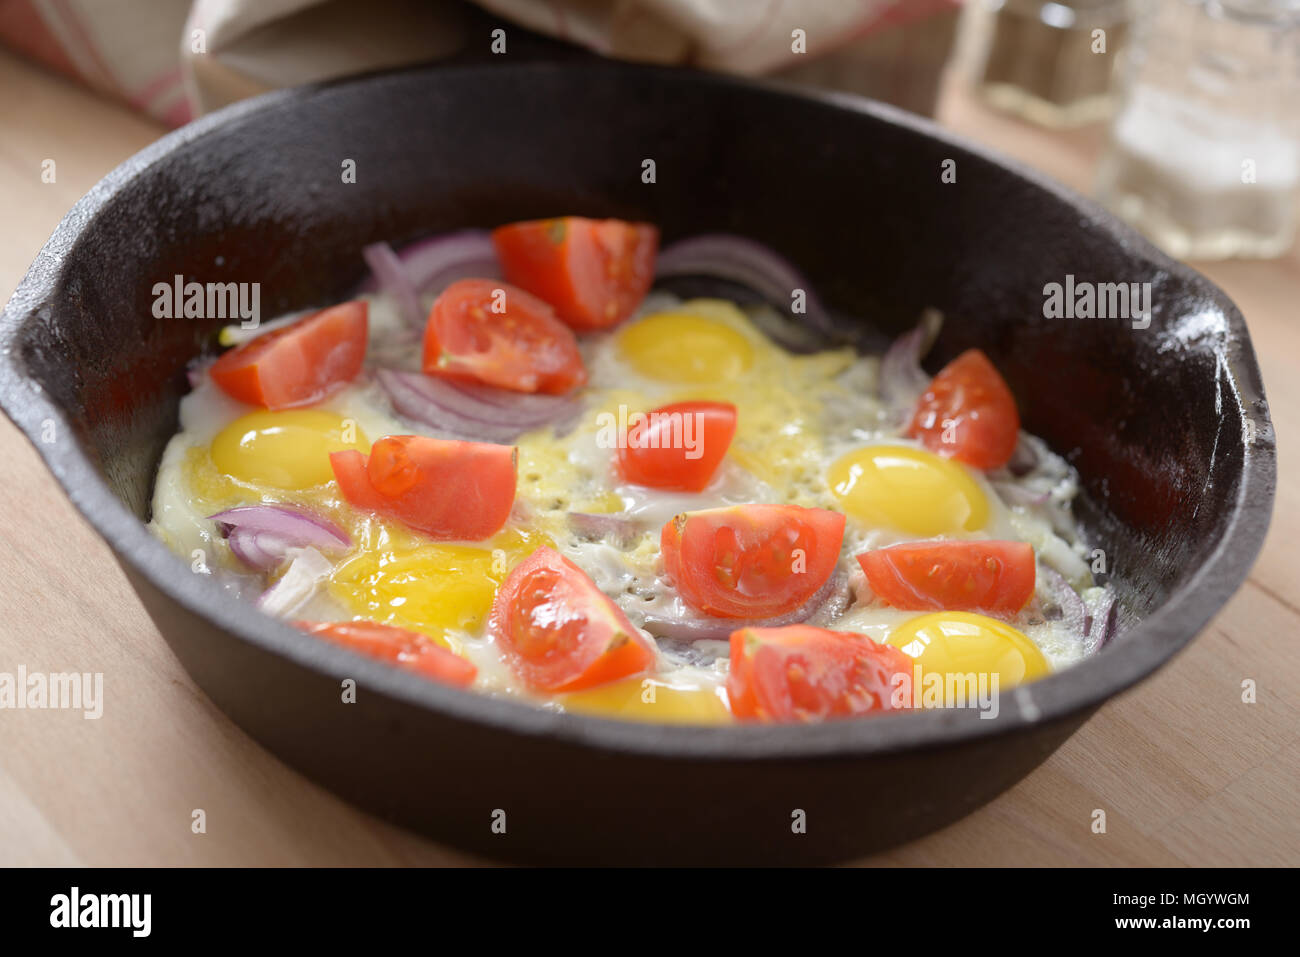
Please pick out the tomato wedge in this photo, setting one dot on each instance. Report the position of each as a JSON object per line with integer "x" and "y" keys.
{"x": 480, "y": 330}
{"x": 996, "y": 578}
{"x": 802, "y": 673}
{"x": 297, "y": 364}
{"x": 968, "y": 413}
{"x": 595, "y": 272}
{"x": 451, "y": 490}
{"x": 561, "y": 632}
{"x": 751, "y": 561}
{"x": 409, "y": 650}
{"x": 678, "y": 446}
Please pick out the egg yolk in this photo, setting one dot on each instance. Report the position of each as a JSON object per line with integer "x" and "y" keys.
{"x": 908, "y": 489}
{"x": 433, "y": 589}
{"x": 650, "y": 699}
{"x": 681, "y": 347}
{"x": 963, "y": 643}
{"x": 285, "y": 450}
{"x": 438, "y": 589}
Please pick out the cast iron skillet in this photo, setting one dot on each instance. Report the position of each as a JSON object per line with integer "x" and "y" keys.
{"x": 1167, "y": 425}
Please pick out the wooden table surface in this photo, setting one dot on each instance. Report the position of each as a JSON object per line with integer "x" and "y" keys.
{"x": 1186, "y": 772}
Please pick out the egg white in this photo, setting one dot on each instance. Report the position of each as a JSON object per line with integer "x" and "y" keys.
{"x": 574, "y": 472}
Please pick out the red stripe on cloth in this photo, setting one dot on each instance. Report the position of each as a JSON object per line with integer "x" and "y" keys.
{"x": 898, "y": 15}
{"x": 178, "y": 114}
{"x": 159, "y": 85}
{"x": 73, "y": 23}
{"x": 907, "y": 11}
{"x": 22, "y": 29}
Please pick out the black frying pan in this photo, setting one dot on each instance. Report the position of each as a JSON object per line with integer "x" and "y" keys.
{"x": 1168, "y": 426}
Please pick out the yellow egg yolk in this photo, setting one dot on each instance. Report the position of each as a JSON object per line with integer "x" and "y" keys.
{"x": 681, "y": 347}
{"x": 964, "y": 643}
{"x": 439, "y": 589}
{"x": 908, "y": 489}
{"x": 285, "y": 450}
{"x": 650, "y": 699}
{"x": 434, "y": 589}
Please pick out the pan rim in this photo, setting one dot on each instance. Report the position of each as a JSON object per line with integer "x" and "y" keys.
{"x": 1147, "y": 646}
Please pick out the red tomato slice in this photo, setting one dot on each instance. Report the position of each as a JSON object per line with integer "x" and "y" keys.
{"x": 297, "y": 364}
{"x": 396, "y": 646}
{"x": 678, "y": 446}
{"x": 480, "y": 330}
{"x": 996, "y": 578}
{"x": 450, "y": 490}
{"x": 802, "y": 673}
{"x": 751, "y": 561}
{"x": 561, "y": 632}
{"x": 968, "y": 413}
{"x": 595, "y": 272}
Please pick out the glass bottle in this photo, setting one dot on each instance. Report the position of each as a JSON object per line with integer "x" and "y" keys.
{"x": 1053, "y": 63}
{"x": 1204, "y": 155}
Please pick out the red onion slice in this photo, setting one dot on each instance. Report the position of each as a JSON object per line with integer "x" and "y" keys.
{"x": 434, "y": 264}
{"x": 522, "y": 406}
{"x": 1060, "y": 602}
{"x": 434, "y": 404}
{"x": 431, "y": 265}
{"x": 1099, "y": 623}
{"x": 392, "y": 279}
{"x": 799, "y": 339}
{"x": 261, "y": 535}
{"x": 695, "y": 654}
{"x": 1024, "y": 459}
{"x": 617, "y": 529}
{"x": 705, "y": 627}
{"x": 297, "y": 586}
{"x": 749, "y": 263}
{"x": 1015, "y": 494}
{"x": 197, "y": 370}
{"x": 450, "y": 407}
{"x": 902, "y": 380}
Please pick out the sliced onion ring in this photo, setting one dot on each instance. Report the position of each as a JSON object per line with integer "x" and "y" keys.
{"x": 1013, "y": 493}
{"x": 747, "y": 262}
{"x": 1099, "y": 623}
{"x": 433, "y": 403}
{"x": 792, "y": 337}
{"x": 467, "y": 411}
{"x": 262, "y": 535}
{"x": 392, "y": 279}
{"x": 434, "y": 264}
{"x": 531, "y": 407}
{"x": 1056, "y": 595}
{"x": 431, "y": 265}
{"x": 298, "y": 584}
{"x": 902, "y": 380}
{"x": 617, "y": 529}
{"x": 1024, "y": 459}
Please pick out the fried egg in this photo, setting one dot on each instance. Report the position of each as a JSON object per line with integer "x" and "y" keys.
{"x": 811, "y": 432}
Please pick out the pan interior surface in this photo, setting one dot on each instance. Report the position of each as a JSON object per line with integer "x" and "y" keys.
{"x": 1166, "y": 424}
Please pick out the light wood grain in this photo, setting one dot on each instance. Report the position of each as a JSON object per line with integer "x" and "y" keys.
{"x": 1186, "y": 772}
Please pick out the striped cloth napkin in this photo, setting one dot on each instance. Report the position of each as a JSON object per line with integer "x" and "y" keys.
{"x": 177, "y": 59}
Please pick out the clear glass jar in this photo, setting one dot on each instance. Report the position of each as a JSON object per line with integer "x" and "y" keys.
{"x": 1053, "y": 63}
{"x": 1204, "y": 155}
